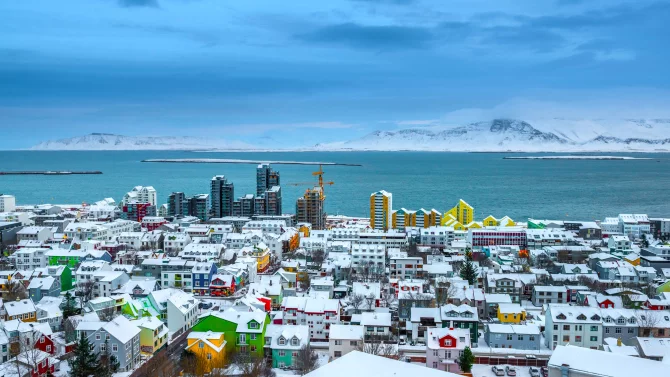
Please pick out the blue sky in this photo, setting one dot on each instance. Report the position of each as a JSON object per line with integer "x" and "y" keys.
{"x": 299, "y": 72}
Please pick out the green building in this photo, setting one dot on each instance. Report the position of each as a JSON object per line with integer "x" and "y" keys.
{"x": 243, "y": 331}
{"x": 64, "y": 274}
{"x": 284, "y": 341}
{"x": 461, "y": 317}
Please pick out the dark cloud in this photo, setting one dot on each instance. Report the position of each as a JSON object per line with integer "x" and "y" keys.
{"x": 370, "y": 37}
{"x": 138, "y": 3}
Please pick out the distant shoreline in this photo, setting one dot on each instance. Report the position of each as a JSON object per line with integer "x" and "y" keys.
{"x": 236, "y": 161}
{"x": 618, "y": 158}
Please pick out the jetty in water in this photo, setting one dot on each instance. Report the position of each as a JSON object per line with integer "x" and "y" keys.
{"x": 50, "y": 172}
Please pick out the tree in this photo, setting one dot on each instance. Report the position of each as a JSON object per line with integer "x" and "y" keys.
{"x": 469, "y": 272}
{"x": 466, "y": 360}
{"x": 15, "y": 291}
{"x": 647, "y": 320}
{"x": 317, "y": 257}
{"x": 70, "y": 328}
{"x": 252, "y": 366}
{"x": 388, "y": 297}
{"x": 84, "y": 363}
{"x": 356, "y": 300}
{"x": 84, "y": 291}
{"x": 444, "y": 292}
{"x": 69, "y": 306}
{"x": 379, "y": 348}
{"x": 108, "y": 365}
{"x": 107, "y": 314}
{"x": 307, "y": 360}
{"x": 645, "y": 241}
{"x": 370, "y": 301}
{"x": 306, "y": 282}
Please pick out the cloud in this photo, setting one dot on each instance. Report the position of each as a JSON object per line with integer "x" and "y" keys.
{"x": 138, "y": 3}
{"x": 370, "y": 37}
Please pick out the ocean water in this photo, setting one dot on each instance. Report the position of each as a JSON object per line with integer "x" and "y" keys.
{"x": 557, "y": 189}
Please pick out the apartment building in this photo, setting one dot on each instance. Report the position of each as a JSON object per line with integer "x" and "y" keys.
{"x": 575, "y": 325}
{"x": 437, "y": 236}
{"x": 381, "y": 207}
{"x": 318, "y": 314}
{"x": 28, "y": 259}
{"x": 344, "y": 339}
{"x": 406, "y": 267}
{"x": 368, "y": 254}
{"x": 494, "y": 237}
{"x": 549, "y": 295}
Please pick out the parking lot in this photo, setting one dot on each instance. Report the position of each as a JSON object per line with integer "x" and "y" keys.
{"x": 480, "y": 370}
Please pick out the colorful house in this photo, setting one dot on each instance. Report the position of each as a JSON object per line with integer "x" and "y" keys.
{"x": 153, "y": 334}
{"x": 222, "y": 285}
{"x": 462, "y": 212}
{"x": 23, "y": 309}
{"x": 284, "y": 342}
{"x": 444, "y": 346}
{"x": 403, "y": 218}
{"x": 633, "y": 259}
{"x": 208, "y": 347}
{"x": 490, "y": 221}
{"x": 243, "y": 331}
{"x": 511, "y": 313}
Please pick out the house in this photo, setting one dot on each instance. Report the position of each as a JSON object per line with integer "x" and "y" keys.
{"x": 269, "y": 286}
{"x": 23, "y": 309}
{"x": 463, "y": 317}
{"x": 208, "y": 347}
{"x": 377, "y": 326}
{"x": 182, "y": 311}
{"x": 139, "y": 286}
{"x": 319, "y": 314}
{"x": 409, "y": 299}
{"x": 549, "y": 295}
{"x": 203, "y": 273}
{"x": 521, "y": 337}
{"x": 657, "y": 303}
{"x": 652, "y": 348}
{"x": 43, "y": 287}
{"x": 153, "y": 334}
{"x": 119, "y": 334}
{"x": 243, "y": 331}
{"x": 622, "y": 324}
{"x": 421, "y": 320}
{"x": 371, "y": 291}
{"x": 30, "y": 363}
{"x": 222, "y": 285}
{"x": 404, "y": 267}
{"x": 500, "y": 283}
{"x": 575, "y": 325}
{"x": 493, "y": 300}
{"x": 29, "y": 258}
{"x": 62, "y": 273}
{"x": 344, "y": 339}
{"x": 364, "y": 364}
{"x": 615, "y": 345}
{"x": 322, "y": 287}
{"x": 285, "y": 341}
{"x": 49, "y": 312}
{"x": 444, "y": 346}
{"x": 511, "y": 313}
{"x": 577, "y": 362}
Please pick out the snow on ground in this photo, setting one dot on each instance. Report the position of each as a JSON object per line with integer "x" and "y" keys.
{"x": 480, "y": 370}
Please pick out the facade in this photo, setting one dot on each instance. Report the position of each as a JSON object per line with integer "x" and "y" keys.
{"x": 318, "y": 314}
{"x": 462, "y": 317}
{"x": 403, "y": 218}
{"x": 381, "y": 207}
{"x": 444, "y": 346}
{"x": 284, "y": 342}
{"x": 658, "y": 227}
{"x": 177, "y": 204}
{"x": 208, "y": 347}
{"x": 511, "y": 313}
{"x": 136, "y": 211}
{"x": 494, "y": 237}
{"x": 222, "y": 197}
{"x": 309, "y": 208}
{"x": 27, "y": 259}
{"x": 7, "y": 203}
{"x": 344, "y": 339}
{"x": 367, "y": 254}
{"x": 120, "y": 335}
{"x": 406, "y": 267}
{"x": 153, "y": 334}
{"x": 549, "y": 295}
{"x": 436, "y": 236}
{"x": 44, "y": 287}
{"x": 521, "y": 337}
{"x": 576, "y": 325}
{"x": 141, "y": 194}
{"x": 243, "y": 331}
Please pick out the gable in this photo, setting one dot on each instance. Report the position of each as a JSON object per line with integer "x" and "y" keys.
{"x": 448, "y": 341}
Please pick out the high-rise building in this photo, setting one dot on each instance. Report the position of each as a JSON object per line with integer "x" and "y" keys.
{"x": 222, "y": 196}
{"x": 141, "y": 194}
{"x": 7, "y": 203}
{"x": 199, "y": 206}
{"x": 381, "y": 207}
{"x": 265, "y": 178}
{"x": 244, "y": 206}
{"x": 309, "y": 209}
{"x": 273, "y": 206}
{"x": 177, "y": 204}
{"x": 136, "y": 211}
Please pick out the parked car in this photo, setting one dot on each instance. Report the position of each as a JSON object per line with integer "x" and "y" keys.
{"x": 498, "y": 371}
{"x": 534, "y": 372}
{"x": 511, "y": 371}
{"x": 545, "y": 371}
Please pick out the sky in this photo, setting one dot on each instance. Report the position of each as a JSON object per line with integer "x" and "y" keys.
{"x": 300, "y": 72}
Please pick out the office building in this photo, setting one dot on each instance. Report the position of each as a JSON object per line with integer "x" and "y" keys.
{"x": 222, "y": 196}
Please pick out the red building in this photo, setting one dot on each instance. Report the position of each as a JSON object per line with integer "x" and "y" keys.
{"x": 151, "y": 223}
{"x": 45, "y": 344}
{"x": 137, "y": 211}
{"x": 222, "y": 285}
{"x": 656, "y": 304}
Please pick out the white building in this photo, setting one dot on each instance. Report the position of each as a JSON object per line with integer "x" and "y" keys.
{"x": 406, "y": 267}
{"x": 7, "y": 203}
{"x": 389, "y": 239}
{"x": 175, "y": 242}
{"x": 581, "y": 326}
{"x": 439, "y": 236}
{"x": 318, "y": 314}
{"x": 34, "y": 233}
{"x": 265, "y": 226}
{"x": 634, "y": 225}
{"x": 344, "y": 339}
{"x": 28, "y": 259}
{"x": 141, "y": 194}
{"x": 182, "y": 311}
{"x": 366, "y": 254}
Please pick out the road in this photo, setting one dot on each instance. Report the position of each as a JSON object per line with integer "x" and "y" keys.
{"x": 165, "y": 362}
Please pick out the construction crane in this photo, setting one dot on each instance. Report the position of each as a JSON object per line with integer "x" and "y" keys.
{"x": 320, "y": 183}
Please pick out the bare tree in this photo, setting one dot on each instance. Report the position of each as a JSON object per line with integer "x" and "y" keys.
{"x": 70, "y": 328}
{"x": 15, "y": 291}
{"x": 252, "y": 366}
{"x": 444, "y": 293}
{"x": 379, "y": 348}
{"x": 356, "y": 300}
{"x": 25, "y": 355}
{"x": 307, "y": 360}
{"x": 370, "y": 301}
{"x": 388, "y": 297}
{"x": 647, "y": 320}
{"x": 85, "y": 291}
{"x": 159, "y": 365}
{"x": 317, "y": 257}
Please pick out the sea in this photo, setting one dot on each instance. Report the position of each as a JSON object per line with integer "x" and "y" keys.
{"x": 541, "y": 189}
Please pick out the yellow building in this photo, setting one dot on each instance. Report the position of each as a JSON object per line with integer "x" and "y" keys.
{"x": 506, "y": 221}
{"x": 435, "y": 218}
{"x": 463, "y": 212}
{"x": 153, "y": 334}
{"x": 449, "y": 220}
{"x": 633, "y": 259}
{"x": 511, "y": 313}
{"x": 403, "y": 218}
{"x": 490, "y": 221}
{"x": 381, "y": 204}
{"x": 20, "y": 309}
{"x": 209, "y": 348}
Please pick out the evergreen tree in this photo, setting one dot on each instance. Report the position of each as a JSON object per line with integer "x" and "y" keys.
{"x": 469, "y": 272}
{"x": 69, "y": 306}
{"x": 84, "y": 363}
{"x": 108, "y": 364}
{"x": 466, "y": 360}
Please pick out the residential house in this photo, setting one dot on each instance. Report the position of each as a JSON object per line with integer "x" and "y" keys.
{"x": 153, "y": 334}
{"x": 43, "y": 287}
{"x": 520, "y": 337}
{"x": 284, "y": 342}
{"x": 444, "y": 346}
{"x": 120, "y": 335}
{"x": 208, "y": 347}
{"x": 23, "y": 309}
{"x": 318, "y": 314}
{"x": 269, "y": 286}
{"x": 463, "y": 317}
{"x": 49, "y": 312}
{"x": 575, "y": 325}
{"x": 549, "y": 295}
{"x": 243, "y": 331}
{"x": 222, "y": 285}
{"x": 377, "y": 326}
{"x": 182, "y": 311}
{"x": 344, "y": 339}
{"x": 620, "y": 323}
{"x": 202, "y": 273}
{"x": 511, "y": 313}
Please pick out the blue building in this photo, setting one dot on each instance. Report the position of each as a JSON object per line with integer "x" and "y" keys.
{"x": 521, "y": 337}
{"x": 202, "y": 274}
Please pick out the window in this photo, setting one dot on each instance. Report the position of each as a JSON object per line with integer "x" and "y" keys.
{"x": 115, "y": 348}
{"x": 556, "y": 327}
{"x": 209, "y": 356}
{"x": 338, "y": 353}
{"x": 201, "y": 344}
{"x": 353, "y": 343}
{"x": 338, "y": 342}
{"x": 607, "y": 330}
{"x": 566, "y": 327}
{"x": 566, "y": 338}
{"x": 594, "y": 328}
{"x": 282, "y": 353}
{"x": 436, "y": 353}
{"x": 578, "y": 339}
{"x": 103, "y": 348}
{"x": 509, "y": 336}
{"x": 253, "y": 336}
{"x": 49, "y": 348}
{"x": 97, "y": 337}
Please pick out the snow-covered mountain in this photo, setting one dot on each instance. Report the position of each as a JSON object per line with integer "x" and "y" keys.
{"x": 100, "y": 141}
{"x": 518, "y": 135}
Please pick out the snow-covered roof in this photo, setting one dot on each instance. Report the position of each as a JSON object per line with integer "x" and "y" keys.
{"x": 600, "y": 363}
{"x": 462, "y": 337}
{"x": 15, "y": 308}
{"x": 122, "y": 329}
{"x": 288, "y": 333}
{"x": 368, "y": 365}
{"x": 376, "y": 319}
{"x": 346, "y": 332}
{"x": 513, "y": 329}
